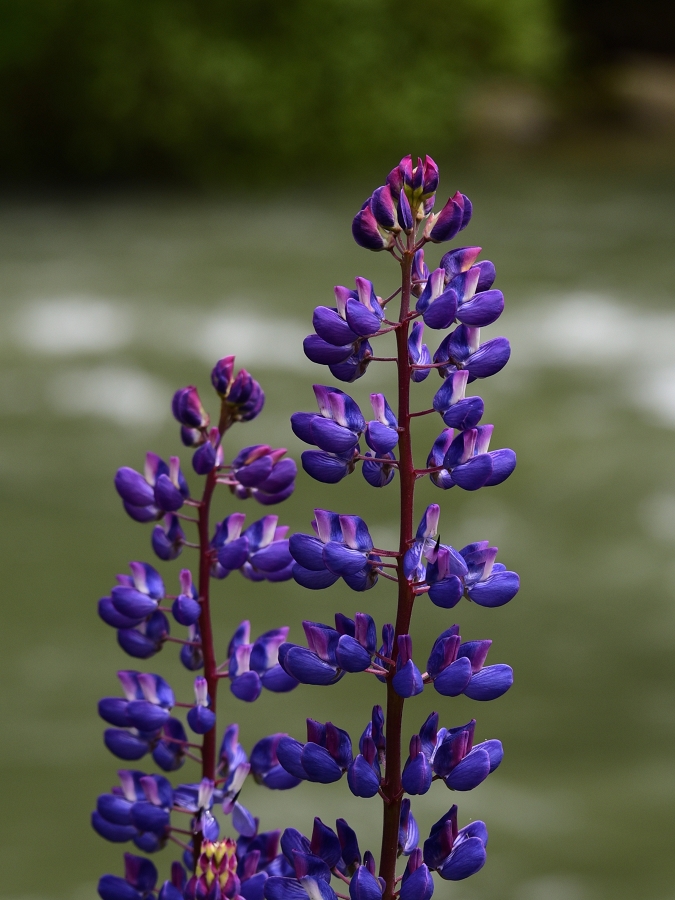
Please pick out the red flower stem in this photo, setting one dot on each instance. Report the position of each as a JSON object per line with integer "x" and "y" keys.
{"x": 424, "y": 412}
{"x": 208, "y": 748}
{"x": 392, "y": 788}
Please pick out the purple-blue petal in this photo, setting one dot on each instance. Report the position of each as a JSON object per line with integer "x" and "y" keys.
{"x": 332, "y": 328}
{"x": 361, "y": 320}
{"x": 497, "y": 590}
{"x": 342, "y": 560}
{"x": 351, "y": 656}
{"x": 319, "y": 764}
{"x": 503, "y": 463}
{"x": 417, "y": 775}
{"x": 473, "y": 474}
{"x": 304, "y": 665}
{"x": 453, "y": 680}
{"x": 470, "y": 772}
{"x": 490, "y": 683}
{"x": 467, "y": 858}
{"x": 124, "y": 745}
{"x": 117, "y": 834}
{"x": 324, "y": 467}
{"x": 362, "y": 779}
{"x": 446, "y": 593}
{"x": 133, "y": 488}
{"x": 407, "y": 682}
{"x": 315, "y": 581}
{"x": 289, "y": 754}
{"x": 247, "y": 686}
{"x": 111, "y": 887}
{"x": 489, "y": 359}
{"x": 482, "y": 310}
{"x": 324, "y": 354}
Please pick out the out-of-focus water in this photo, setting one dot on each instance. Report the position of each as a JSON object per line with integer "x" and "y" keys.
{"x": 108, "y": 305}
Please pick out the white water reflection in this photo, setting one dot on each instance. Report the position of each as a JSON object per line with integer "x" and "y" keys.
{"x": 72, "y": 325}
{"x": 125, "y": 396}
{"x": 574, "y": 330}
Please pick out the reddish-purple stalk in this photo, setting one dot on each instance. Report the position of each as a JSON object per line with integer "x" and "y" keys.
{"x": 211, "y": 674}
{"x": 392, "y": 788}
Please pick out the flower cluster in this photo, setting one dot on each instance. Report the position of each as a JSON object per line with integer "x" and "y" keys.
{"x": 456, "y": 297}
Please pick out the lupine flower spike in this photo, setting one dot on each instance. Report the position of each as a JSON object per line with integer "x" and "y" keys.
{"x": 147, "y": 719}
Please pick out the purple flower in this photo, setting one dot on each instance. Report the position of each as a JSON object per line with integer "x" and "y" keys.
{"x": 200, "y": 718}
{"x": 349, "y": 647}
{"x": 487, "y": 583}
{"x": 186, "y": 608}
{"x": 437, "y": 303}
{"x": 260, "y": 552}
{"x": 140, "y": 878}
{"x": 476, "y": 308}
{"x": 364, "y": 773}
{"x": 461, "y": 349}
{"x": 418, "y": 353}
{"x": 265, "y": 765}
{"x": 149, "y": 699}
{"x": 407, "y": 682}
{"x": 445, "y": 225}
{"x": 382, "y": 431}
{"x": 459, "y": 668}
{"x": 341, "y": 548}
{"x": 408, "y": 831}
{"x": 455, "y": 854}
{"x": 262, "y": 473}
{"x": 458, "y": 411}
{"x": 209, "y": 455}
{"x": 465, "y": 461}
{"x": 417, "y": 883}
{"x": 341, "y": 331}
{"x": 242, "y": 396}
{"x": 188, "y": 410}
{"x": 336, "y": 430}
{"x": 138, "y": 810}
{"x": 222, "y": 375}
{"x": 418, "y": 183}
{"x": 367, "y": 231}
{"x": 137, "y": 596}
{"x": 159, "y": 490}
{"x": 254, "y": 666}
{"x": 451, "y": 755}
{"x": 324, "y": 758}
{"x": 420, "y": 273}
{"x": 168, "y": 539}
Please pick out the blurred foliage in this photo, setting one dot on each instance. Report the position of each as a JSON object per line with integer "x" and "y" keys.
{"x": 105, "y": 89}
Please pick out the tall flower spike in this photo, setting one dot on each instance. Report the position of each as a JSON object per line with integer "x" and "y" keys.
{"x": 397, "y": 217}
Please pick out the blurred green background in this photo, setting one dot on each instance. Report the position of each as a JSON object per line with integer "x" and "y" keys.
{"x": 179, "y": 182}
